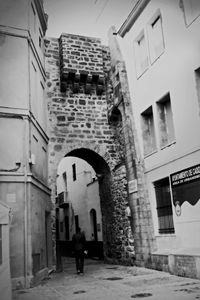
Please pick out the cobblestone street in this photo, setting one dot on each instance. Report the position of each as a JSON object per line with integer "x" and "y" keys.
{"x": 103, "y": 281}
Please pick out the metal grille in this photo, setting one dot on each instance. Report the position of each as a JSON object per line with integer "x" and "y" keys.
{"x": 164, "y": 206}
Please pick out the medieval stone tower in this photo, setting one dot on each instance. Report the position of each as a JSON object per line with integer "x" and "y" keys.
{"x": 90, "y": 118}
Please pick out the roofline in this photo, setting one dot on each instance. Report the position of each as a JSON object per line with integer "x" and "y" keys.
{"x": 132, "y": 17}
{"x": 42, "y": 16}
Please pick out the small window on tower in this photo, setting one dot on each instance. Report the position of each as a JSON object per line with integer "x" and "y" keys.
{"x": 74, "y": 171}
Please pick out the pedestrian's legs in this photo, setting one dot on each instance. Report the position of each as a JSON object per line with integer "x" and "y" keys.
{"x": 81, "y": 262}
{"x": 77, "y": 258}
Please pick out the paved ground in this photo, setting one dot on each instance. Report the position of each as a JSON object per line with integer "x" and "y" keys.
{"x": 111, "y": 282}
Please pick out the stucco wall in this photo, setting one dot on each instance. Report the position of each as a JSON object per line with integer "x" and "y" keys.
{"x": 14, "y": 72}
{"x": 94, "y": 203}
{"x": 13, "y": 195}
{"x": 11, "y": 135}
{"x": 5, "y": 280}
{"x": 19, "y": 19}
{"x": 40, "y": 219}
{"x": 173, "y": 72}
{"x": 39, "y": 150}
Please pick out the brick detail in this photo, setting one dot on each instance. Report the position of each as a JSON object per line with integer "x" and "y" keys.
{"x": 81, "y": 64}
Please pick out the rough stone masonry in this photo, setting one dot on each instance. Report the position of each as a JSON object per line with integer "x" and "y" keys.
{"x": 80, "y": 93}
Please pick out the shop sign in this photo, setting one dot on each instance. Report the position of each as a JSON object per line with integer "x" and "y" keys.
{"x": 132, "y": 186}
{"x": 186, "y": 186}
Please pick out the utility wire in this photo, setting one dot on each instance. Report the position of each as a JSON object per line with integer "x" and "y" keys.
{"x": 102, "y": 10}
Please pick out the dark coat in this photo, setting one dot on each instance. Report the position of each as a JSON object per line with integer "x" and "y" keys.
{"x": 78, "y": 241}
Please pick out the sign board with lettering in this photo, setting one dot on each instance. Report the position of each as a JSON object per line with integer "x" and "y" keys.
{"x": 132, "y": 186}
{"x": 186, "y": 185}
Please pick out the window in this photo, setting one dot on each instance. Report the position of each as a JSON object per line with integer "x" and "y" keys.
{"x": 166, "y": 126}
{"x": 76, "y": 222}
{"x": 148, "y": 131}
{"x": 156, "y": 39}
{"x": 61, "y": 226}
{"x": 34, "y": 17}
{"x": 164, "y": 206}
{"x": 67, "y": 228}
{"x": 41, "y": 105}
{"x": 141, "y": 54}
{"x": 74, "y": 171}
{"x": 64, "y": 175}
{"x": 1, "y": 246}
{"x": 191, "y": 10}
{"x": 93, "y": 223}
{"x": 34, "y": 86}
{"x": 40, "y": 38}
{"x": 197, "y": 77}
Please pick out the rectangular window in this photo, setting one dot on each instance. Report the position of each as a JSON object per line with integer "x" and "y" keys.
{"x": 197, "y": 77}
{"x": 191, "y": 10}
{"x": 164, "y": 206}
{"x": 74, "y": 171}
{"x": 148, "y": 131}
{"x": 41, "y": 106}
{"x": 40, "y": 38}
{"x": 76, "y": 222}
{"x": 34, "y": 86}
{"x": 141, "y": 54}
{"x": 1, "y": 246}
{"x": 61, "y": 226}
{"x": 166, "y": 124}
{"x": 64, "y": 175}
{"x": 156, "y": 39}
{"x": 67, "y": 228}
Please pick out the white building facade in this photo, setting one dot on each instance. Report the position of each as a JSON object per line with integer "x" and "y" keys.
{"x": 24, "y": 140}
{"x": 161, "y": 47}
{"x": 78, "y": 200}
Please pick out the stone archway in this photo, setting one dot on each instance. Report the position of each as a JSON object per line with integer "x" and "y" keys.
{"x": 113, "y": 202}
{"x": 113, "y": 198}
{"x": 90, "y": 117}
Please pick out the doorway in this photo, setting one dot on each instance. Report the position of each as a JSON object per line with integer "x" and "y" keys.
{"x": 93, "y": 223}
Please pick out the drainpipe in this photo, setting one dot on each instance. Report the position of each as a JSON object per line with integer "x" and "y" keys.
{"x": 25, "y": 120}
{"x": 26, "y": 148}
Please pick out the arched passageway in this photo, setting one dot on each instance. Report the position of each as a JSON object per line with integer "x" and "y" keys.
{"x": 113, "y": 202}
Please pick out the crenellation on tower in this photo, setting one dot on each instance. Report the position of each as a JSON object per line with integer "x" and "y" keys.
{"x": 81, "y": 64}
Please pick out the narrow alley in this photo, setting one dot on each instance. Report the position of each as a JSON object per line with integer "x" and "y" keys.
{"x": 103, "y": 281}
{"x": 99, "y": 132}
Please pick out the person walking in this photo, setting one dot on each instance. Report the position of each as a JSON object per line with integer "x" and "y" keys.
{"x": 78, "y": 244}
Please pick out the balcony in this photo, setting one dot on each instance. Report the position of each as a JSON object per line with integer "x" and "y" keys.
{"x": 62, "y": 200}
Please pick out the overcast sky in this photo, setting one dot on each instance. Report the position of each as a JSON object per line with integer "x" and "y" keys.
{"x": 85, "y": 17}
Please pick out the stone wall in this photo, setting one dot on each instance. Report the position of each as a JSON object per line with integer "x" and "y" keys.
{"x": 77, "y": 70}
{"x": 120, "y": 105}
